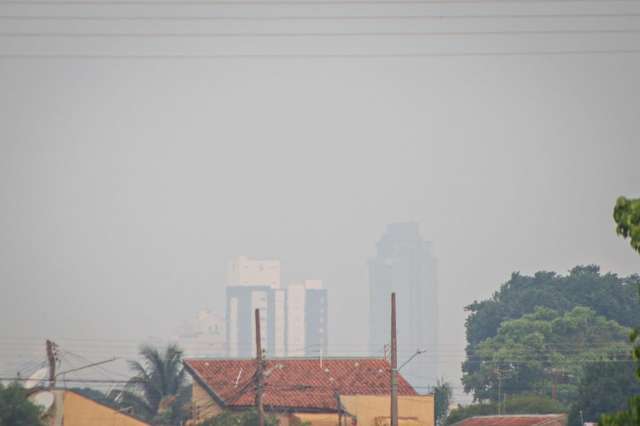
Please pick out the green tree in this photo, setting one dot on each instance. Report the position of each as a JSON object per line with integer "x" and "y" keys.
{"x": 542, "y": 351}
{"x": 608, "y": 295}
{"x": 604, "y": 387}
{"x": 158, "y": 392}
{"x": 626, "y": 214}
{"x": 518, "y": 404}
{"x": 16, "y": 409}
{"x": 243, "y": 418}
{"x": 442, "y": 393}
{"x": 629, "y": 417}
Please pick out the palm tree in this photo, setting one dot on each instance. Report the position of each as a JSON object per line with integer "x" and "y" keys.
{"x": 158, "y": 390}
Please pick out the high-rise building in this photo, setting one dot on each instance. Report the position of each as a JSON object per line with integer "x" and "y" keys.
{"x": 255, "y": 284}
{"x": 242, "y": 301}
{"x": 307, "y": 317}
{"x": 405, "y": 264}
{"x": 316, "y": 320}
{"x": 293, "y": 320}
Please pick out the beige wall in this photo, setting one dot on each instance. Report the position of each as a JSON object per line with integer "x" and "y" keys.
{"x": 81, "y": 411}
{"x": 203, "y": 406}
{"x": 369, "y": 410}
{"x": 411, "y": 409}
{"x": 317, "y": 419}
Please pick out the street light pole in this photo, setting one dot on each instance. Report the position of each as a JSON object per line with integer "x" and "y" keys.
{"x": 394, "y": 364}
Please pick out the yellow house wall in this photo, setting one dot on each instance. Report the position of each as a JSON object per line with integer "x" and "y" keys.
{"x": 367, "y": 408}
{"x": 204, "y": 407}
{"x": 81, "y": 411}
{"x": 317, "y": 419}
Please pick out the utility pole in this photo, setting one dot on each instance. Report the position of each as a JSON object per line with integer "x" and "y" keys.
{"x": 259, "y": 372}
{"x": 394, "y": 364}
{"x": 339, "y": 405}
{"x": 499, "y": 389}
{"x": 51, "y": 358}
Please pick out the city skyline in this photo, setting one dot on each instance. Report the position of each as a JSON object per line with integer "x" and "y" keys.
{"x": 293, "y": 318}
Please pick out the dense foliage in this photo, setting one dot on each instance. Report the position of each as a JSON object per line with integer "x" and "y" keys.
{"x": 607, "y": 295}
{"x": 530, "y": 354}
{"x": 442, "y": 393}
{"x": 604, "y": 387}
{"x": 16, "y": 409}
{"x": 244, "y": 418}
{"x": 158, "y": 392}
{"x": 628, "y": 417}
{"x": 520, "y": 404}
{"x": 626, "y": 214}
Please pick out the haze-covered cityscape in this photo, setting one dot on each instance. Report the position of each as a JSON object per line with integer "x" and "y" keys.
{"x": 319, "y": 213}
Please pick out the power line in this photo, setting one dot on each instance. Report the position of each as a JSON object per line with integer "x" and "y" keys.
{"x": 22, "y": 379}
{"x": 289, "y": 2}
{"x": 318, "y": 18}
{"x": 301, "y": 56}
{"x": 314, "y": 34}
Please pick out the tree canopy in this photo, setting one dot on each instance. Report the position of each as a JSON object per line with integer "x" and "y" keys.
{"x": 538, "y": 350}
{"x": 608, "y": 295}
{"x": 604, "y": 387}
{"x": 626, "y": 214}
{"x": 16, "y": 409}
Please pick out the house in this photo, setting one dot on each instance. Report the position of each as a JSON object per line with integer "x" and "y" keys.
{"x": 516, "y": 420}
{"x": 323, "y": 392}
{"x": 66, "y": 407}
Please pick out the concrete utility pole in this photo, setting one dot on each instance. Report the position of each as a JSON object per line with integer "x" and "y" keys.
{"x": 394, "y": 364}
{"x": 259, "y": 372}
{"x": 51, "y": 358}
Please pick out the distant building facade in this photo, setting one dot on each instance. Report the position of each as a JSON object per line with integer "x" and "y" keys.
{"x": 246, "y": 271}
{"x": 203, "y": 336}
{"x": 405, "y": 264}
{"x": 293, "y": 320}
{"x": 307, "y": 316}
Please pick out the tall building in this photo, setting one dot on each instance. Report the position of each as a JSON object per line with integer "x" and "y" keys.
{"x": 405, "y": 264}
{"x": 242, "y": 301}
{"x": 293, "y": 320}
{"x": 316, "y": 321}
{"x": 255, "y": 284}
{"x": 307, "y": 316}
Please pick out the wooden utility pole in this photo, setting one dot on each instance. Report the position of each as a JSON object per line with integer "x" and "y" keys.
{"x": 394, "y": 364}
{"x": 51, "y": 358}
{"x": 339, "y": 405}
{"x": 259, "y": 372}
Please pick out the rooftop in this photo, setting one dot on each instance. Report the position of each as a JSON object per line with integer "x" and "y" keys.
{"x": 298, "y": 383}
{"x": 512, "y": 420}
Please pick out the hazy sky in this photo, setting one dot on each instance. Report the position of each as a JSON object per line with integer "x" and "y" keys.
{"x": 126, "y": 185}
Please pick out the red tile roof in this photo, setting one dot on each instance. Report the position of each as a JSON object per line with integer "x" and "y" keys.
{"x": 511, "y": 420}
{"x": 301, "y": 383}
